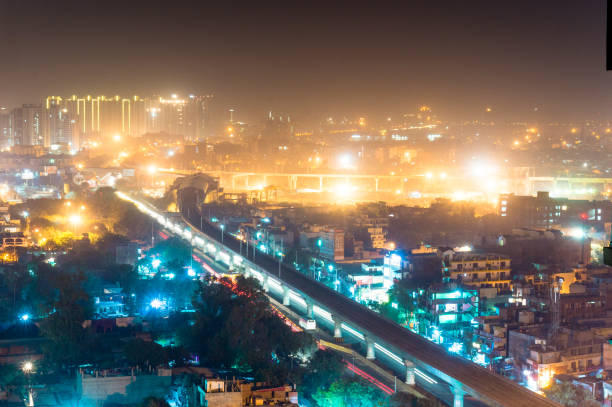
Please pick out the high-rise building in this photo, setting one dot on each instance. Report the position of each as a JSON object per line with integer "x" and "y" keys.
{"x": 5, "y": 128}
{"x": 188, "y": 117}
{"x": 74, "y": 120}
{"x": 197, "y": 117}
{"x": 26, "y": 126}
{"x": 544, "y": 211}
{"x": 60, "y": 123}
{"x": 88, "y": 111}
{"x": 138, "y": 116}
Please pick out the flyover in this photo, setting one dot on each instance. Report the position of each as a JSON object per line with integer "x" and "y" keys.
{"x": 420, "y": 359}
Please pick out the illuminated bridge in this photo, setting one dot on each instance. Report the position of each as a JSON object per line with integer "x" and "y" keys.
{"x": 307, "y": 182}
{"x": 415, "y": 359}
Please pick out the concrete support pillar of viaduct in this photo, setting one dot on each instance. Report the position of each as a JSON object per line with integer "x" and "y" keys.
{"x": 337, "y": 327}
{"x": 370, "y": 353}
{"x": 309, "y": 310}
{"x": 266, "y": 285}
{"x": 286, "y": 298}
{"x": 458, "y": 393}
{"x": 409, "y": 372}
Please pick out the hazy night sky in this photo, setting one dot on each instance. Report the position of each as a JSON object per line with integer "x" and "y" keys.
{"x": 312, "y": 58}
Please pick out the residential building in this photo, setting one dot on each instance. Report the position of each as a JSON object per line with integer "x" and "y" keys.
{"x": 396, "y": 266}
{"x": 484, "y": 270}
{"x": 216, "y": 392}
{"x": 367, "y": 284}
{"x": 109, "y": 302}
{"x": 544, "y": 211}
{"x": 452, "y": 308}
{"x": 331, "y": 244}
{"x": 540, "y": 353}
{"x": 60, "y": 126}
{"x": 377, "y": 236}
{"x": 5, "y": 128}
{"x": 574, "y": 307}
{"x": 528, "y": 246}
{"x": 26, "y": 125}
{"x": 97, "y": 387}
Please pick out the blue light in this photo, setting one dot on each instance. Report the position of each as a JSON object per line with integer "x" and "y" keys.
{"x": 435, "y": 334}
{"x": 156, "y": 304}
{"x": 191, "y": 272}
{"x": 319, "y": 242}
{"x": 222, "y": 227}
{"x": 25, "y": 317}
{"x": 266, "y": 220}
{"x": 25, "y": 214}
{"x": 330, "y": 267}
{"x": 262, "y": 247}
{"x": 155, "y": 263}
{"x": 456, "y": 347}
{"x": 214, "y": 219}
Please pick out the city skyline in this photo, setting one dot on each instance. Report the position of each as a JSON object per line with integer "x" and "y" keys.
{"x": 333, "y": 203}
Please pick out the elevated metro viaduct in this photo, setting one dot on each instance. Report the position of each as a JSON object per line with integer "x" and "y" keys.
{"x": 419, "y": 358}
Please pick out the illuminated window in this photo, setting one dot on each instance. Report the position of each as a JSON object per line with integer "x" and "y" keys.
{"x": 445, "y": 319}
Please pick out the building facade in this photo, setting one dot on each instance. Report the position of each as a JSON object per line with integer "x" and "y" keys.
{"x": 542, "y": 211}
{"x": 479, "y": 270}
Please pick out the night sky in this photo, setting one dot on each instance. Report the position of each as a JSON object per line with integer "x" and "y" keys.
{"x": 313, "y": 59}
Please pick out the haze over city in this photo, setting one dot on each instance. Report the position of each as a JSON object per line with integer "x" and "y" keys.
{"x": 317, "y": 59}
{"x": 232, "y": 204}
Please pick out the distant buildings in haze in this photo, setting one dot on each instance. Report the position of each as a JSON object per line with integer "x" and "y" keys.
{"x": 73, "y": 121}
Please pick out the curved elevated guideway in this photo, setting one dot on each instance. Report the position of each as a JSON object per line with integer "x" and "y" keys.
{"x": 421, "y": 359}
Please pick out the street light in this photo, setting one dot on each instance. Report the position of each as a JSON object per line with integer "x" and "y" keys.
{"x": 222, "y": 229}
{"x": 156, "y": 303}
{"x": 75, "y": 220}
{"x": 152, "y": 169}
{"x": 27, "y": 367}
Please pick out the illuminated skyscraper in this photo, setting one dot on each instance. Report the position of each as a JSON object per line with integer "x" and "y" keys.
{"x": 60, "y": 122}
{"x": 188, "y": 117}
{"x": 103, "y": 117}
{"x": 88, "y": 112}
